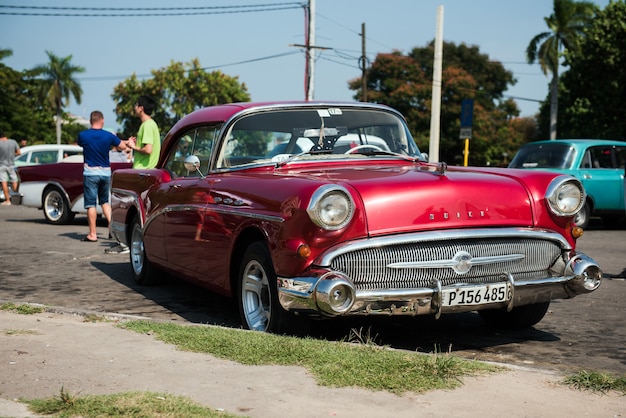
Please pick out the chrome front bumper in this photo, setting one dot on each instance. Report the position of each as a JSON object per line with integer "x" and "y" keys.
{"x": 332, "y": 293}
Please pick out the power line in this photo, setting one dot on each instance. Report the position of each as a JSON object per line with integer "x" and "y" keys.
{"x": 147, "y": 12}
{"x": 142, "y": 76}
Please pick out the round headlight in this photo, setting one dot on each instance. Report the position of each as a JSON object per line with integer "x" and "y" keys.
{"x": 331, "y": 207}
{"x": 566, "y": 196}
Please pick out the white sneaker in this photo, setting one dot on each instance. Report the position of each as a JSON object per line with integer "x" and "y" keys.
{"x": 118, "y": 249}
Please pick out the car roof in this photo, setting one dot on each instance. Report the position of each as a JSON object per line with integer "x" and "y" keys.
{"x": 579, "y": 142}
{"x": 43, "y": 147}
{"x": 223, "y": 112}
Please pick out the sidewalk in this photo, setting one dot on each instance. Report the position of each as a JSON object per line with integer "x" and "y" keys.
{"x": 41, "y": 353}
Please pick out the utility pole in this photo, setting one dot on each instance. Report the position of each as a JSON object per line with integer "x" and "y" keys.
{"x": 310, "y": 43}
{"x": 309, "y": 47}
{"x": 435, "y": 111}
{"x": 363, "y": 65}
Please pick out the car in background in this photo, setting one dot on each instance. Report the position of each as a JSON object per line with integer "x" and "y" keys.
{"x": 46, "y": 154}
{"x": 598, "y": 163}
{"x": 303, "y": 210}
{"x": 56, "y": 188}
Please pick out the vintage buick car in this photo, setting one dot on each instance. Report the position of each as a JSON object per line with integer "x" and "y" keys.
{"x": 345, "y": 219}
{"x": 56, "y": 188}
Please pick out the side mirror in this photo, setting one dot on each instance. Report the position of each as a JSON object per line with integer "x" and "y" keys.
{"x": 192, "y": 163}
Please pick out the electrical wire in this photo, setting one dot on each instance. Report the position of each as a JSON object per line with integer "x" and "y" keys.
{"x": 147, "y": 11}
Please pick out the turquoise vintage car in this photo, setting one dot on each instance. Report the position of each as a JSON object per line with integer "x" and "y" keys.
{"x": 597, "y": 163}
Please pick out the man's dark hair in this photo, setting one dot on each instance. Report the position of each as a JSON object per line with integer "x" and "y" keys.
{"x": 95, "y": 116}
{"x": 1, "y": 134}
{"x": 147, "y": 103}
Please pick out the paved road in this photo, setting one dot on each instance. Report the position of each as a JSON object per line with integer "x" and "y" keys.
{"x": 48, "y": 264}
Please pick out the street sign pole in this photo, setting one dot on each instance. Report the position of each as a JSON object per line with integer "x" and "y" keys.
{"x": 466, "y": 153}
{"x": 467, "y": 109}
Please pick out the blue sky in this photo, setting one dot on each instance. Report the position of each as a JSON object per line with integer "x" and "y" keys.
{"x": 256, "y": 46}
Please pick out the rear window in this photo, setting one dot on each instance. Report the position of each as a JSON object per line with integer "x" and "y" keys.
{"x": 556, "y": 155}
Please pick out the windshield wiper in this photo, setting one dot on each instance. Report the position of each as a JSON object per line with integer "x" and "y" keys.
{"x": 291, "y": 158}
{"x": 371, "y": 151}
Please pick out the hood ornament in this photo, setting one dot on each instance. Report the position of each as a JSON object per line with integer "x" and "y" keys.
{"x": 442, "y": 168}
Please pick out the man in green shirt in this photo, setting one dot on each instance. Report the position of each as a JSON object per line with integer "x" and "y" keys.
{"x": 146, "y": 148}
{"x": 147, "y": 144}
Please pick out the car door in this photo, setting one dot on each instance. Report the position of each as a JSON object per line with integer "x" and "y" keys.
{"x": 602, "y": 177}
{"x": 185, "y": 199}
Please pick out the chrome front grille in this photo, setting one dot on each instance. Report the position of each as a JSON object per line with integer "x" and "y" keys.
{"x": 369, "y": 267}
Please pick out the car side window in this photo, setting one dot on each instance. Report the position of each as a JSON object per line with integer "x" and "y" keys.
{"x": 198, "y": 142}
{"x": 203, "y": 145}
{"x": 44, "y": 157}
{"x": 601, "y": 157}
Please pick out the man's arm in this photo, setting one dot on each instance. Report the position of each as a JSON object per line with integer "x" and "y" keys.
{"x": 132, "y": 144}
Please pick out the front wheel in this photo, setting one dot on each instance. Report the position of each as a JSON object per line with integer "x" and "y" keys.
{"x": 257, "y": 293}
{"x": 56, "y": 208}
{"x": 520, "y": 317}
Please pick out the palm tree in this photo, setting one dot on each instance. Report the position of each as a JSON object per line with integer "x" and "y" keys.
{"x": 59, "y": 85}
{"x": 5, "y": 53}
{"x": 566, "y": 24}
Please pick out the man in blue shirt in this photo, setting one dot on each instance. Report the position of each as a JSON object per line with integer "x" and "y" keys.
{"x": 97, "y": 143}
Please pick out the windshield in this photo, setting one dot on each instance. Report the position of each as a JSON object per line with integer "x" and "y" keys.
{"x": 552, "y": 155}
{"x": 312, "y": 133}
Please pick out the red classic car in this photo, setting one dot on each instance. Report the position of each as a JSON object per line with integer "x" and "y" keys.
{"x": 313, "y": 209}
{"x": 56, "y": 188}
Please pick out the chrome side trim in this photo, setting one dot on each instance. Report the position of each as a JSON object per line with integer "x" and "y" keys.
{"x": 236, "y": 212}
{"x": 222, "y": 211}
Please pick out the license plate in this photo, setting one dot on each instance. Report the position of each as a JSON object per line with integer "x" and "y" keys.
{"x": 477, "y": 295}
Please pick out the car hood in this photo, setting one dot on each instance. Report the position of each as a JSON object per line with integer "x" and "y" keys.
{"x": 409, "y": 198}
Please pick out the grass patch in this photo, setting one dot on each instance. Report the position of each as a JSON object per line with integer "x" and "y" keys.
{"x": 23, "y": 309}
{"x": 129, "y": 404}
{"x": 20, "y": 332}
{"x": 596, "y": 382}
{"x": 333, "y": 364}
{"x": 94, "y": 318}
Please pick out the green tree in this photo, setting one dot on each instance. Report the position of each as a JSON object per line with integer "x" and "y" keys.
{"x": 178, "y": 89}
{"x": 593, "y": 90}
{"x": 22, "y": 116}
{"x": 566, "y": 26}
{"x": 58, "y": 85}
{"x": 405, "y": 83}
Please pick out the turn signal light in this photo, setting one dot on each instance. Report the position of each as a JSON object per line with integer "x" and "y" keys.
{"x": 304, "y": 251}
{"x": 577, "y": 232}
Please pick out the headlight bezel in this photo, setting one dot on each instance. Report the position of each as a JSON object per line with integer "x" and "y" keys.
{"x": 327, "y": 198}
{"x": 560, "y": 193}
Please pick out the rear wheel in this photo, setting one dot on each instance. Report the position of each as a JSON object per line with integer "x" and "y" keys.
{"x": 56, "y": 208}
{"x": 144, "y": 272}
{"x": 520, "y": 317}
{"x": 257, "y": 293}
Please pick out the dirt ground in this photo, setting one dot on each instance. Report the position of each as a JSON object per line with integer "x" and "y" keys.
{"x": 40, "y": 354}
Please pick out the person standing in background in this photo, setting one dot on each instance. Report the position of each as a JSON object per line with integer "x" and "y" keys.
{"x": 8, "y": 150}
{"x": 146, "y": 147}
{"x": 147, "y": 144}
{"x": 97, "y": 143}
